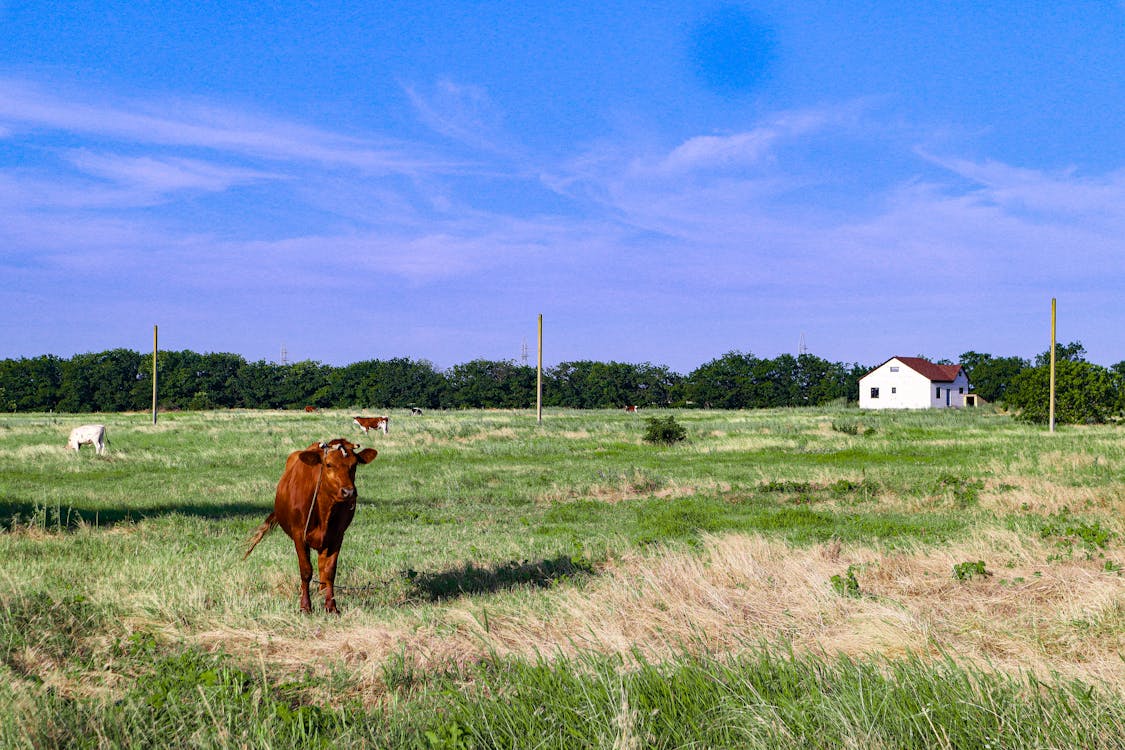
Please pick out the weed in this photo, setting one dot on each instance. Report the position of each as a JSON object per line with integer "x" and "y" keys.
{"x": 1069, "y": 532}
{"x": 846, "y": 584}
{"x": 965, "y": 490}
{"x": 965, "y": 571}
{"x": 448, "y": 736}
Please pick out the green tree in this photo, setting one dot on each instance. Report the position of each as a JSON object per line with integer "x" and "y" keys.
{"x": 392, "y": 383}
{"x": 491, "y": 384}
{"x": 100, "y": 382}
{"x": 723, "y": 383}
{"x": 1118, "y": 371}
{"x": 30, "y": 384}
{"x": 298, "y": 383}
{"x": 1085, "y": 393}
{"x": 586, "y": 384}
{"x": 821, "y": 382}
{"x": 188, "y": 380}
{"x": 991, "y": 376}
{"x": 1072, "y": 352}
{"x": 258, "y": 385}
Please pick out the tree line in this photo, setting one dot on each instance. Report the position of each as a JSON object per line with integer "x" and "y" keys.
{"x": 121, "y": 380}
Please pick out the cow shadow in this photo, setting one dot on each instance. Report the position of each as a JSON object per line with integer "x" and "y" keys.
{"x": 15, "y": 514}
{"x": 474, "y": 579}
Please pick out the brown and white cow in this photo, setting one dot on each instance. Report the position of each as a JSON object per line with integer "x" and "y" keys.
{"x": 631, "y": 409}
{"x": 373, "y": 423}
{"x": 314, "y": 505}
{"x": 88, "y": 434}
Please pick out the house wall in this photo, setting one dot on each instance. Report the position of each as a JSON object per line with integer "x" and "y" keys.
{"x": 956, "y": 393}
{"x": 901, "y": 387}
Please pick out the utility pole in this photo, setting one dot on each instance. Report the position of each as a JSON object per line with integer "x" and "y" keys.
{"x": 1051, "y": 408}
{"x": 539, "y": 376}
{"x": 154, "y": 350}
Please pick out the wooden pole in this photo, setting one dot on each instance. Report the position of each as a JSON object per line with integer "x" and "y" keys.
{"x": 154, "y": 349}
{"x": 1051, "y": 408}
{"x": 539, "y": 376}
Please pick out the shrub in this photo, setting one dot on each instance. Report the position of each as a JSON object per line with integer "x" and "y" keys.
{"x": 664, "y": 430}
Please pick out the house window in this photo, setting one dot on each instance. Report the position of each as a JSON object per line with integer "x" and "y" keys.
{"x": 874, "y": 393}
{"x": 960, "y": 390}
{"x": 938, "y": 392}
{"x": 894, "y": 390}
{"x": 894, "y": 369}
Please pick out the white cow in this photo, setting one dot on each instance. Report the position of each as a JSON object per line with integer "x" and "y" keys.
{"x": 94, "y": 434}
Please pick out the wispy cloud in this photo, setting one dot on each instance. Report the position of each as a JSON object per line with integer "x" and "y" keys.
{"x": 746, "y": 149}
{"x": 1060, "y": 193}
{"x": 27, "y": 106}
{"x": 463, "y": 113}
{"x": 163, "y": 174}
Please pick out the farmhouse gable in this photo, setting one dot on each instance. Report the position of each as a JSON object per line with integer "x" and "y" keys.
{"x": 913, "y": 383}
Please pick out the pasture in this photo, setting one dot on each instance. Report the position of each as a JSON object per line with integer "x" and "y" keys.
{"x": 782, "y": 578}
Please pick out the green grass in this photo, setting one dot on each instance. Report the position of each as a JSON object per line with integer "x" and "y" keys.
{"x": 770, "y": 699}
{"x": 120, "y": 569}
{"x": 761, "y": 698}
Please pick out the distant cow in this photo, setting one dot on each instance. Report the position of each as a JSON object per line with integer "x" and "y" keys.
{"x": 93, "y": 434}
{"x": 314, "y": 504}
{"x": 631, "y": 409}
{"x": 310, "y": 409}
{"x": 415, "y": 411}
{"x": 373, "y": 423}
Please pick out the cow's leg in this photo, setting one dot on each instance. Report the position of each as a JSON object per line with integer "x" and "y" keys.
{"x": 306, "y": 574}
{"x": 326, "y": 565}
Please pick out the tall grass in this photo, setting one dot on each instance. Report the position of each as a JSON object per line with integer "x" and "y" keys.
{"x": 760, "y": 698}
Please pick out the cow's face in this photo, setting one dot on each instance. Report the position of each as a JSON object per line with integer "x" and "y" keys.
{"x": 338, "y": 460}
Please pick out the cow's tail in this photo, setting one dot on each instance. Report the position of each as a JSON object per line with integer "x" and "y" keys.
{"x": 260, "y": 533}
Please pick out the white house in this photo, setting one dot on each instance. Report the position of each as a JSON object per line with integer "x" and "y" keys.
{"x": 913, "y": 383}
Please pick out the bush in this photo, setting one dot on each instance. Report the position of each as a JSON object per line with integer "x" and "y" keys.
{"x": 665, "y": 431}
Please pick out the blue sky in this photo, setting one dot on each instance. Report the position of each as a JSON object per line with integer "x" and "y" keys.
{"x": 663, "y": 181}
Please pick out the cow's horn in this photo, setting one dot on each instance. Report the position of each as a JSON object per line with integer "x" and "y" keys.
{"x": 323, "y": 445}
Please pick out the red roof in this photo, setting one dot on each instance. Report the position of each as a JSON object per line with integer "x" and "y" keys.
{"x": 936, "y": 373}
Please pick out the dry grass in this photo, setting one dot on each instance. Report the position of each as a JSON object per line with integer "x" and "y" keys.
{"x": 1065, "y": 618}
{"x": 632, "y": 485}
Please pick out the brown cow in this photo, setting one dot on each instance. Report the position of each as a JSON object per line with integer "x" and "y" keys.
{"x": 310, "y": 409}
{"x": 373, "y": 423}
{"x": 315, "y": 503}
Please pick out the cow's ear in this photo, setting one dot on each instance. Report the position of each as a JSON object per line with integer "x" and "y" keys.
{"x": 366, "y": 455}
{"x": 312, "y": 458}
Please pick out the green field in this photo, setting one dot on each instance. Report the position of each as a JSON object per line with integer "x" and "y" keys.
{"x": 783, "y": 578}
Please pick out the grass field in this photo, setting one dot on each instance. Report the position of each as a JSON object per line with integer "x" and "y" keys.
{"x": 789, "y": 578}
